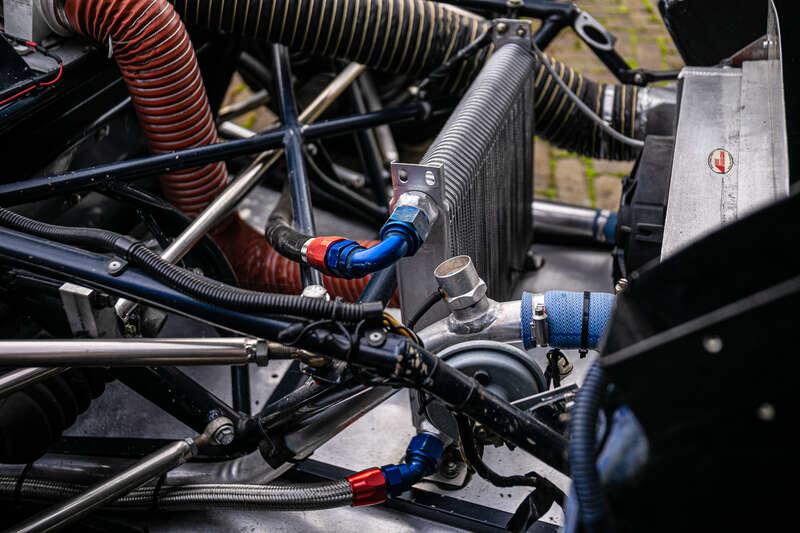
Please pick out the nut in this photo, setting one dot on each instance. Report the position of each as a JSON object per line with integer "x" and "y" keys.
{"x": 460, "y": 282}
{"x": 414, "y": 216}
{"x": 423, "y": 205}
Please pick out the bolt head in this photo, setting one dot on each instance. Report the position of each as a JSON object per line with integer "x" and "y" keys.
{"x": 316, "y": 291}
{"x": 712, "y": 344}
{"x": 376, "y": 338}
{"x": 501, "y": 27}
{"x": 114, "y": 267}
{"x": 224, "y": 435}
{"x": 449, "y": 469}
{"x": 766, "y": 412}
{"x": 521, "y": 31}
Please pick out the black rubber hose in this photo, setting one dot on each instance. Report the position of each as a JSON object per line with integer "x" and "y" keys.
{"x": 417, "y": 37}
{"x": 583, "y": 450}
{"x": 423, "y": 370}
{"x": 197, "y": 286}
{"x": 279, "y": 232}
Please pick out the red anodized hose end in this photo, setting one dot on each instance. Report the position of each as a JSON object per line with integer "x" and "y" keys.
{"x": 317, "y": 249}
{"x": 369, "y": 487}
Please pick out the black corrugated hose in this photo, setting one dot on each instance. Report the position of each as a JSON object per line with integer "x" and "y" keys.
{"x": 197, "y": 286}
{"x": 583, "y": 451}
{"x": 415, "y": 37}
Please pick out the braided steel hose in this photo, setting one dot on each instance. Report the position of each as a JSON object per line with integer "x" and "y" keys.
{"x": 273, "y": 497}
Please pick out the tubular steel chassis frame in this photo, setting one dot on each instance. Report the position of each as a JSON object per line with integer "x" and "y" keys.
{"x": 172, "y": 390}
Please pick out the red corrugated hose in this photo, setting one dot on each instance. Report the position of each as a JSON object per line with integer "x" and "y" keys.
{"x": 156, "y": 58}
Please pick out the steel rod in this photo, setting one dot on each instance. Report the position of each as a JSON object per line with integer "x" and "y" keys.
{"x": 573, "y": 222}
{"x": 15, "y": 380}
{"x": 249, "y": 178}
{"x": 383, "y": 133}
{"x": 130, "y": 352}
{"x": 72, "y": 510}
{"x": 88, "y": 268}
{"x": 370, "y": 152}
{"x": 254, "y": 101}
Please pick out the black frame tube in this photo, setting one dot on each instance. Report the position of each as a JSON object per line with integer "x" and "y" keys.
{"x": 293, "y": 140}
{"x": 177, "y": 394}
{"x": 20, "y": 192}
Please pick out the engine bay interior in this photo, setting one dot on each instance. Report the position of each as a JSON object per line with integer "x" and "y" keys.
{"x": 354, "y": 313}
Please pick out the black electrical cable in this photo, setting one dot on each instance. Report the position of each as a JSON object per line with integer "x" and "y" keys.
{"x": 441, "y": 72}
{"x": 197, "y": 286}
{"x": 471, "y": 454}
{"x": 427, "y": 305}
{"x": 583, "y": 107}
{"x": 42, "y": 80}
{"x": 361, "y": 206}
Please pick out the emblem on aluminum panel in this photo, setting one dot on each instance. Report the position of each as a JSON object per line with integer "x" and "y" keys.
{"x": 720, "y": 161}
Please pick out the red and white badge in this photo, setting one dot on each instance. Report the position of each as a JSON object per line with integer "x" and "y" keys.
{"x": 720, "y": 161}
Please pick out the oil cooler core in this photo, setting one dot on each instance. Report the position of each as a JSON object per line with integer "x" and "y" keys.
{"x": 479, "y": 171}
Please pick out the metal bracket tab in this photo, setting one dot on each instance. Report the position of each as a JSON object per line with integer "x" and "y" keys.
{"x": 415, "y": 274}
{"x": 507, "y": 31}
{"x": 83, "y": 318}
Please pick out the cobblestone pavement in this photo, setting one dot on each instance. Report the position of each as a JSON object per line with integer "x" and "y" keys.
{"x": 643, "y": 41}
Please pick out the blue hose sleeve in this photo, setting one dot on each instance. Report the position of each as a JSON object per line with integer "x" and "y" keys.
{"x": 526, "y": 317}
{"x": 565, "y": 317}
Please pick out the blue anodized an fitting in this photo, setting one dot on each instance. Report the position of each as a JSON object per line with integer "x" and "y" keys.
{"x": 422, "y": 459}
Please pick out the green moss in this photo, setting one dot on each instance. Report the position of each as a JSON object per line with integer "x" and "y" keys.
{"x": 249, "y": 121}
{"x": 591, "y": 174}
{"x": 651, "y": 10}
{"x": 633, "y": 39}
{"x": 238, "y": 89}
{"x": 664, "y": 49}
